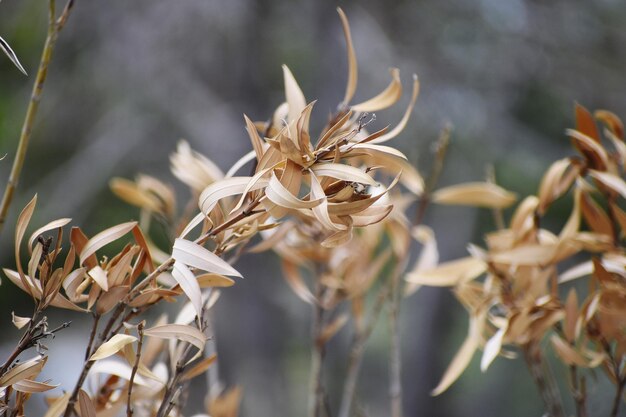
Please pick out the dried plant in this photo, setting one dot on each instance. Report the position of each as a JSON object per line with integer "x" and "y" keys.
{"x": 522, "y": 300}
{"x": 317, "y": 205}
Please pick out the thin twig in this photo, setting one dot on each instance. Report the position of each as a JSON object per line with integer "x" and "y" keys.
{"x": 544, "y": 380}
{"x": 92, "y": 335}
{"x": 357, "y": 349}
{"x": 617, "y": 401}
{"x": 578, "y": 391}
{"x": 131, "y": 381}
{"x": 54, "y": 27}
{"x": 316, "y": 385}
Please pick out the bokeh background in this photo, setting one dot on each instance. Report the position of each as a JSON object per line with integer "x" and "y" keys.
{"x": 130, "y": 78}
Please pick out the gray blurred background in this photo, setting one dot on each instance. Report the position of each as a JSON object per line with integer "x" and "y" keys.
{"x": 130, "y": 78}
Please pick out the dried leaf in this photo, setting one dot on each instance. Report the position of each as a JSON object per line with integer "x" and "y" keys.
{"x": 352, "y": 62}
{"x": 20, "y": 230}
{"x": 188, "y": 283}
{"x": 87, "y": 408}
{"x": 99, "y": 275}
{"x": 4, "y": 46}
{"x": 405, "y": 119}
{"x": 595, "y": 216}
{"x": 343, "y": 172}
{"x": 58, "y": 406}
{"x": 25, "y": 370}
{"x": 296, "y": 282}
{"x": 612, "y": 121}
{"x": 18, "y": 321}
{"x": 226, "y": 187}
{"x": 214, "y": 280}
{"x": 571, "y": 315}
{"x": 384, "y": 99}
{"x": 227, "y": 404}
{"x": 613, "y": 182}
{"x": 131, "y": 193}
{"x": 178, "y": 331}
{"x": 112, "y": 346}
{"x": 196, "y": 256}
{"x": 449, "y": 273}
{"x": 567, "y": 353}
{"x": 492, "y": 349}
{"x": 459, "y": 363}
{"x": 50, "y": 226}
{"x": 428, "y": 257}
{"x": 31, "y": 387}
{"x": 479, "y": 194}
{"x": 104, "y": 238}
{"x": 199, "y": 368}
{"x": 332, "y": 329}
{"x": 293, "y": 94}
{"x": 585, "y": 123}
{"x": 281, "y": 196}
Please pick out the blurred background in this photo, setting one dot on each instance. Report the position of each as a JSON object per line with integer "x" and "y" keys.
{"x": 129, "y": 79}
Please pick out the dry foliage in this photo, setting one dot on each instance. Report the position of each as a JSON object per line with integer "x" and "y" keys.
{"x": 517, "y": 290}
{"x": 332, "y": 208}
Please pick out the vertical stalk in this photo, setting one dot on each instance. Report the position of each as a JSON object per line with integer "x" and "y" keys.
{"x": 54, "y": 27}
{"x": 542, "y": 375}
{"x": 316, "y": 384}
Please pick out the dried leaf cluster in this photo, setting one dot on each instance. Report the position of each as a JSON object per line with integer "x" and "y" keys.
{"x": 518, "y": 290}
{"x": 329, "y": 207}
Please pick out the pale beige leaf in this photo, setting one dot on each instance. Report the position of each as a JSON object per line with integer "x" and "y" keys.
{"x": 492, "y": 349}
{"x": 449, "y": 273}
{"x": 112, "y": 346}
{"x": 577, "y": 271}
{"x": 226, "y": 187}
{"x": 343, "y": 172}
{"x": 611, "y": 181}
{"x": 477, "y": 194}
{"x": 178, "y": 331}
{"x": 25, "y": 370}
{"x": 567, "y": 353}
{"x": 296, "y": 282}
{"x": 50, "y": 226}
{"x": 115, "y": 366}
{"x": 405, "y": 119}
{"x": 388, "y": 97}
{"x": 188, "y": 283}
{"x": 87, "y": 408}
{"x": 352, "y": 62}
{"x": 18, "y": 321}
{"x": 293, "y": 94}
{"x": 196, "y": 256}
{"x": 104, "y": 238}
{"x": 375, "y": 148}
{"x": 241, "y": 162}
{"x": 58, "y": 406}
{"x": 99, "y": 275}
{"x": 428, "y": 257}
{"x": 192, "y": 168}
{"x": 321, "y": 211}
{"x": 255, "y": 139}
{"x": 459, "y": 363}
{"x": 278, "y": 194}
{"x": 20, "y": 230}
{"x": 590, "y": 147}
{"x": 30, "y": 387}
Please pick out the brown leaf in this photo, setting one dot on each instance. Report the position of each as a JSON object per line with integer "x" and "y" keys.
{"x": 352, "y": 62}
{"x": 87, "y": 408}
{"x": 585, "y": 123}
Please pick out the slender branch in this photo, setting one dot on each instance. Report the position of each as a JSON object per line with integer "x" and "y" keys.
{"x": 578, "y": 392}
{"x": 357, "y": 349}
{"x": 92, "y": 335}
{"x": 544, "y": 380}
{"x": 131, "y": 381}
{"x": 24, "y": 343}
{"x": 316, "y": 384}
{"x": 54, "y": 27}
{"x": 617, "y": 401}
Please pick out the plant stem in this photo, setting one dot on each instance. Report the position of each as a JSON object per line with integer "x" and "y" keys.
{"x": 131, "y": 381}
{"x": 357, "y": 349}
{"x": 617, "y": 401}
{"x": 54, "y": 27}
{"x": 578, "y": 392}
{"x": 544, "y": 380}
{"x": 316, "y": 386}
{"x": 24, "y": 343}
